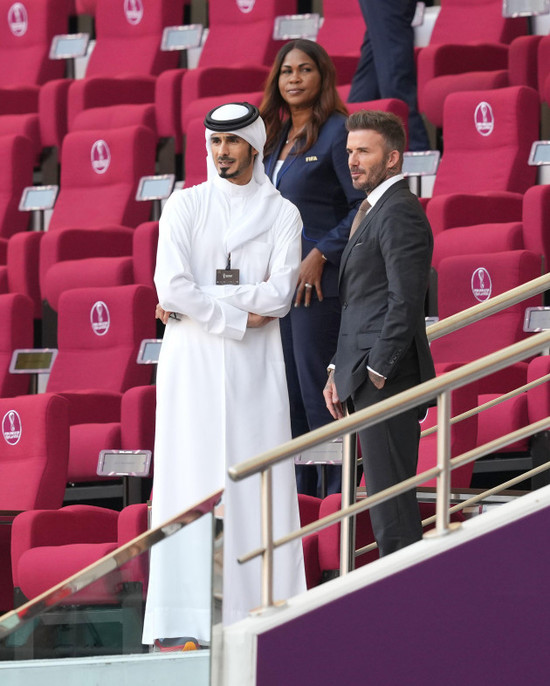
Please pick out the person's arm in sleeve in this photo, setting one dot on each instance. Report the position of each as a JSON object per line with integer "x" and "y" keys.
{"x": 273, "y": 297}
{"x": 332, "y": 244}
{"x": 176, "y": 288}
{"x": 406, "y": 245}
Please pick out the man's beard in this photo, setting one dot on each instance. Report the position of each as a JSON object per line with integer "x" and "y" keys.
{"x": 226, "y": 174}
{"x": 374, "y": 178}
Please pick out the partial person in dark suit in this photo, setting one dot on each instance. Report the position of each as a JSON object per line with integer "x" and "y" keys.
{"x": 306, "y": 160}
{"x": 387, "y": 67}
{"x": 382, "y": 345}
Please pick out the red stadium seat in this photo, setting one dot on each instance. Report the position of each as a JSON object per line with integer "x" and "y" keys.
{"x": 99, "y": 334}
{"x": 468, "y": 50}
{"x": 16, "y": 315}
{"x": 235, "y": 58}
{"x": 34, "y": 450}
{"x": 48, "y": 547}
{"x": 16, "y": 169}
{"x": 529, "y": 234}
{"x": 26, "y": 33}
{"x": 484, "y": 171}
{"x": 465, "y": 281}
{"x": 95, "y": 211}
{"x": 121, "y": 69}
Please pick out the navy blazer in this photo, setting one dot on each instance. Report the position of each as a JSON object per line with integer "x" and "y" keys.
{"x": 383, "y": 281}
{"x": 318, "y": 182}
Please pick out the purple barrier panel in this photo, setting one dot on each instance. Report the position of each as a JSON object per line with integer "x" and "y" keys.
{"x": 478, "y": 613}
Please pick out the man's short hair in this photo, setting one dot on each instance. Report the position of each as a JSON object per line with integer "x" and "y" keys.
{"x": 387, "y": 124}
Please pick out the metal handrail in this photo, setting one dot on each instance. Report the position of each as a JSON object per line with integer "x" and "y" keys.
{"x": 439, "y": 387}
{"x": 489, "y": 307}
{"x": 395, "y": 405}
{"x": 490, "y": 403}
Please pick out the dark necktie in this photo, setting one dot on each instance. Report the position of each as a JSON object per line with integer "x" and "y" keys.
{"x": 361, "y": 212}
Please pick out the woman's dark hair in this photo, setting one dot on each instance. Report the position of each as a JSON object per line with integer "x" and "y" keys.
{"x": 275, "y": 111}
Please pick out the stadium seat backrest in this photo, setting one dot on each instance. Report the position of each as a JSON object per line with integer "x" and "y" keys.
{"x": 16, "y": 315}
{"x": 100, "y": 172}
{"x": 467, "y": 280}
{"x": 475, "y": 21}
{"x": 99, "y": 334}
{"x": 343, "y": 28}
{"x": 240, "y": 31}
{"x": 463, "y": 437}
{"x": 16, "y": 169}
{"x": 488, "y": 137}
{"x": 34, "y": 449}
{"x": 26, "y": 32}
{"x": 129, "y": 34}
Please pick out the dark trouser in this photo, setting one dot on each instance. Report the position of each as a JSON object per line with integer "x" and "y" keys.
{"x": 309, "y": 336}
{"x": 386, "y": 67}
{"x": 390, "y": 455}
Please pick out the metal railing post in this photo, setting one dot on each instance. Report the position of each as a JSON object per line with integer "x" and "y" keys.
{"x": 267, "y": 537}
{"x": 443, "y": 498}
{"x": 347, "y": 526}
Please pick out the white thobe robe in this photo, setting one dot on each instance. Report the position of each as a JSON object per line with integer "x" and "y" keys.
{"x": 221, "y": 399}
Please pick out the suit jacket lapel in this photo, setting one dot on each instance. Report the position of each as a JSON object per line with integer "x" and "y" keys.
{"x": 361, "y": 229}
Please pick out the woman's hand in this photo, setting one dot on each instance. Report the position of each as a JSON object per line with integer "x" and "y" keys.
{"x": 311, "y": 271}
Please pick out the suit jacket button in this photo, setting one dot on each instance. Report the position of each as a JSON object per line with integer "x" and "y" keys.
{"x": 344, "y": 305}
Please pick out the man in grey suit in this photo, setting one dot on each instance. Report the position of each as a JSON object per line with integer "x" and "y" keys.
{"x": 382, "y": 345}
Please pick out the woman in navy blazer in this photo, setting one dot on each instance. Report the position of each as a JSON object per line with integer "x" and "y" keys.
{"x": 305, "y": 157}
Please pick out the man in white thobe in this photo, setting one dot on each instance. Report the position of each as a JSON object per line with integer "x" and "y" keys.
{"x": 227, "y": 265}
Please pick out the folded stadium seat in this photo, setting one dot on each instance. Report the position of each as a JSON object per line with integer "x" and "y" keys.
{"x": 394, "y": 105}
{"x": 236, "y": 58}
{"x": 100, "y": 331}
{"x": 480, "y": 238}
{"x": 341, "y": 34}
{"x": 529, "y": 234}
{"x": 26, "y": 33}
{"x": 135, "y": 430}
{"x": 121, "y": 69}
{"x": 50, "y": 546}
{"x": 16, "y": 315}
{"x": 34, "y": 449}
{"x": 16, "y": 171}
{"x": 468, "y": 50}
{"x": 483, "y": 171}
{"x": 467, "y": 280}
{"x": 94, "y": 215}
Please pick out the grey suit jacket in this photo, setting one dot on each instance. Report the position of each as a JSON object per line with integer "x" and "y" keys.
{"x": 384, "y": 276}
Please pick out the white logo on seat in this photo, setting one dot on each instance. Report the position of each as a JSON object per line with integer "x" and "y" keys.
{"x": 101, "y": 157}
{"x": 481, "y": 284}
{"x": 484, "y": 119}
{"x": 246, "y": 6}
{"x": 11, "y": 427}
{"x": 100, "y": 318}
{"x": 18, "y": 19}
{"x": 133, "y": 9}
